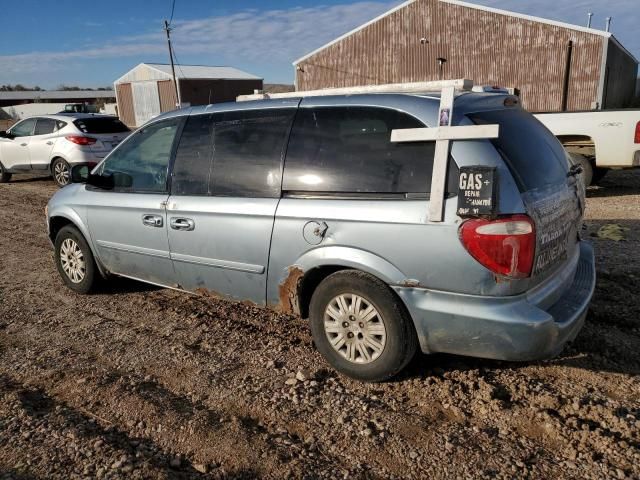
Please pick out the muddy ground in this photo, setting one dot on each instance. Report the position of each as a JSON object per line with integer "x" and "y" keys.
{"x": 137, "y": 382}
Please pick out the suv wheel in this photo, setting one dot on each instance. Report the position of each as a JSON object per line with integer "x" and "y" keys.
{"x": 74, "y": 260}
{"x": 61, "y": 172}
{"x": 4, "y": 175}
{"x": 360, "y": 327}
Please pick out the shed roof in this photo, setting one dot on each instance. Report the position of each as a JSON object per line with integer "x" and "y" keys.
{"x": 57, "y": 95}
{"x": 205, "y": 72}
{"x": 194, "y": 72}
{"x": 474, "y": 6}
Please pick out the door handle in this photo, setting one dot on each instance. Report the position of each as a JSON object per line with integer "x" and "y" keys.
{"x": 23, "y": 144}
{"x": 49, "y": 142}
{"x": 152, "y": 220}
{"x": 184, "y": 224}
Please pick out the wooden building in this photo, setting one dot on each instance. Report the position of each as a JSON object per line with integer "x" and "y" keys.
{"x": 556, "y": 66}
{"x": 148, "y": 89}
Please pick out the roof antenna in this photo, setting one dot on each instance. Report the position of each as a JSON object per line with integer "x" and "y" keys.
{"x": 608, "y": 29}
{"x": 589, "y": 21}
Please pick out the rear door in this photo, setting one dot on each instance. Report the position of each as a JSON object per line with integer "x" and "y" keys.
{"x": 42, "y": 142}
{"x": 540, "y": 165}
{"x": 225, "y": 191}
{"x": 15, "y": 151}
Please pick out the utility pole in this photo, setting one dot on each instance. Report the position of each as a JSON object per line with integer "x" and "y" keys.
{"x": 173, "y": 68}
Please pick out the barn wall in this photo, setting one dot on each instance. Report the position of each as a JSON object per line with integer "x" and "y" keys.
{"x": 204, "y": 92}
{"x": 620, "y": 78}
{"x": 125, "y": 104}
{"x": 484, "y": 46}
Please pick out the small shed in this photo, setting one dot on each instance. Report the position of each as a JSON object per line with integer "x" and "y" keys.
{"x": 148, "y": 89}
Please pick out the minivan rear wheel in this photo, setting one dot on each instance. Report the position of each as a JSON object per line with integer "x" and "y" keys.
{"x": 74, "y": 260}
{"x": 361, "y": 327}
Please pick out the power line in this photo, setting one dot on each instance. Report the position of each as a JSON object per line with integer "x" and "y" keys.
{"x": 173, "y": 7}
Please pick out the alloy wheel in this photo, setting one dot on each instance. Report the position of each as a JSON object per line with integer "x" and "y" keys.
{"x": 61, "y": 173}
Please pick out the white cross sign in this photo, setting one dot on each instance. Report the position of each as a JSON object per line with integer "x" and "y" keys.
{"x": 442, "y": 135}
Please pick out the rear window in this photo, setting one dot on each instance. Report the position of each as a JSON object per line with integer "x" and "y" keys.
{"x": 100, "y": 125}
{"x": 533, "y": 154}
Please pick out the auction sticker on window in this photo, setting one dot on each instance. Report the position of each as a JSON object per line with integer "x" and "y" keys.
{"x": 477, "y": 195}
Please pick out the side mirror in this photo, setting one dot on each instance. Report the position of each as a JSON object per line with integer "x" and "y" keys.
{"x": 5, "y": 134}
{"x": 79, "y": 174}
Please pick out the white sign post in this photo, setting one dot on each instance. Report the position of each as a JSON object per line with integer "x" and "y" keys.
{"x": 442, "y": 135}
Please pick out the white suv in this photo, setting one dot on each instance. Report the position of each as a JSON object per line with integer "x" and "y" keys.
{"x": 55, "y": 143}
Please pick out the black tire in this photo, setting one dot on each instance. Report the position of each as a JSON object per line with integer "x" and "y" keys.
{"x": 4, "y": 175}
{"x": 587, "y": 168}
{"x": 599, "y": 174}
{"x": 401, "y": 338}
{"x": 61, "y": 172}
{"x": 89, "y": 278}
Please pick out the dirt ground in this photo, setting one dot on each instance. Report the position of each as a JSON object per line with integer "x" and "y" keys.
{"x": 138, "y": 382}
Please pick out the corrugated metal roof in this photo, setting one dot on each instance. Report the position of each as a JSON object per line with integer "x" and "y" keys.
{"x": 467, "y": 5}
{"x": 201, "y": 72}
{"x": 57, "y": 95}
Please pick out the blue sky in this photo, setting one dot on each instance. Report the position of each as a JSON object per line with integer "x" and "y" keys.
{"x": 90, "y": 44}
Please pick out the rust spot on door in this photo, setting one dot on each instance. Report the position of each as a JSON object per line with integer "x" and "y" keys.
{"x": 288, "y": 291}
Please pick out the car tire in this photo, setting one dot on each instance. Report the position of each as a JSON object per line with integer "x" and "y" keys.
{"x": 74, "y": 260}
{"x": 587, "y": 168}
{"x": 4, "y": 175}
{"x": 61, "y": 172}
{"x": 364, "y": 344}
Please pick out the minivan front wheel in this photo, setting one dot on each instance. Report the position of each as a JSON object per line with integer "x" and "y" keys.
{"x": 360, "y": 327}
{"x": 74, "y": 260}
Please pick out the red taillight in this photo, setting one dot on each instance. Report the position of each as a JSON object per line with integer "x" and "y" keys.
{"x": 505, "y": 246}
{"x": 637, "y": 139}
{"x": 80, "y": 140}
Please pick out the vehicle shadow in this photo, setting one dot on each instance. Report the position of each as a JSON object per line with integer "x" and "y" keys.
{"x": 36, "y": 403}
{"x": 616, "y": 183}
{"x": 30, "y": 179}
{"x": 121, "y": 285}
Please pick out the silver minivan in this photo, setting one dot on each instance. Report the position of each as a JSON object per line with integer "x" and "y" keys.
{"x": 305, "y": 205}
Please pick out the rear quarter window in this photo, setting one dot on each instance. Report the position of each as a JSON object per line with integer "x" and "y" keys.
{"x": 100, "y": 125}
{"x": 532, "y": 153}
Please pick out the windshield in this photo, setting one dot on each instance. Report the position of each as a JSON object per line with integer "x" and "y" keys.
{"x": 533, "y": 154}
{"x": 101, "y": 125}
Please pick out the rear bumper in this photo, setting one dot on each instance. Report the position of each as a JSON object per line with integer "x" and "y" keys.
{"x": 503, "y": 328}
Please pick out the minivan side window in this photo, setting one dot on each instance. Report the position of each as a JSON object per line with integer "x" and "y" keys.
{"x": 145, "y": 157}
{"x": 349, "y": 150}
{"x": 237, "y": 153}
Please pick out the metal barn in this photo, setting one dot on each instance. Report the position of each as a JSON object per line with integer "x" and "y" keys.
{"x": 148, "y": 89}
{"x": 556, "y": 66}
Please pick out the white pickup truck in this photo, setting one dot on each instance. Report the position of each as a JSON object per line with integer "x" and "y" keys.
{"x": 598, "y": 140}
